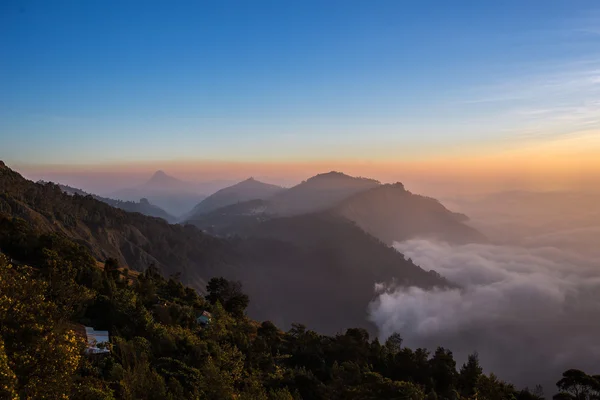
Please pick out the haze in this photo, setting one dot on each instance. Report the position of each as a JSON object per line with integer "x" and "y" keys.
{"x": 490, "y": 107}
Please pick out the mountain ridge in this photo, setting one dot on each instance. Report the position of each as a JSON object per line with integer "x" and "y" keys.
{"x": 274, "y": 268}
{"x": 248, "y": 189}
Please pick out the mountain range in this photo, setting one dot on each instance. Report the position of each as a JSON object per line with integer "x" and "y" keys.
{"x": 318, "y": 267}
{"x": 173, "y": 195}
{"x": 388, "y": 212}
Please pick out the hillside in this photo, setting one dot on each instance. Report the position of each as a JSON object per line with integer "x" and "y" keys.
{"x": 157, "y": 347}
{"x": 326, "y": 261}
{"x": 279, "y": 261}
{"x": 393, "y": 214}
{"x": 232, "y": 219}
{"x": 318, "y": 193}
{"x": 143, "y": 206}
{"x": 133, "y": 239}
{"x": 250, "y": 189}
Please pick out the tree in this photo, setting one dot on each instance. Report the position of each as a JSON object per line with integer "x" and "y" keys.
{"x": 393, "y": 344}
{"x": 8, "y": 379}
{"x": 469, "y": 375}
{"x": 443, "y": 371}
{"x": 577, "y": 385}
{"x": 229, "y": 294}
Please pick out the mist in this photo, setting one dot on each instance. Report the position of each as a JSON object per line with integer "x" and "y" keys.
{"x": 530, "y": 313}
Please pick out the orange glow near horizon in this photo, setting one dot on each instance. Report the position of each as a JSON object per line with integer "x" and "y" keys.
{"x": 571, "y": 162}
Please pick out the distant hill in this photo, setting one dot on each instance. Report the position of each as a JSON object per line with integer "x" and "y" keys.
{"x": 171, "y": 194}
{"x": 232, "y": 219}
{"x": 388, "y": 212}
{"x": 318, "y": 269}
{"x": 250, "y": 189}
{"x": 318, "y": 193}
{"x": 391, "y": 213}
{"x": 143, "y": 206}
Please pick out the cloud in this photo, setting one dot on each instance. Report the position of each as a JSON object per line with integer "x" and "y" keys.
{"x": 530, "y": 313}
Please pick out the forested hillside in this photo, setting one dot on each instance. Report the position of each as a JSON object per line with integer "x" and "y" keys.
{"x": 159, "y": 350}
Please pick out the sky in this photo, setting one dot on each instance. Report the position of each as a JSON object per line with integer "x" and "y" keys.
{"x": 396, "y": 89}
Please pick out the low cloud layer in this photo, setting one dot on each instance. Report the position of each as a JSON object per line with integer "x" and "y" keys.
{"x": 531, "y": 313}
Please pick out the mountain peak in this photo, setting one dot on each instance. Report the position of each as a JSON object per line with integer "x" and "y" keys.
{"x": 2, "y": 165}
{"x": 160, "y": 174}
{"x": 331, "y": 174}
{"x": 339, "y": 176}
{"x": 160, "y": 178}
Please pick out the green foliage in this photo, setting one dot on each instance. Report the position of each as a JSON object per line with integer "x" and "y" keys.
{"x": 229, "y": 294}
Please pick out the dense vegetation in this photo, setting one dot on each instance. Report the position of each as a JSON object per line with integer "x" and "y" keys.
{"x": 159, "y": 351}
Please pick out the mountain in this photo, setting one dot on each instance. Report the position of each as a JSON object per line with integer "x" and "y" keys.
{"x": 388, "y": 212}
{"x": 291, "y": 267}
{"x": 232, "y": 219}
{"x": 143, "y": 206}
{"x": 250, "y": 189}
{"x": 393, "y": 214}
{"x": 318, "y": 193}
{"x": 320, "y": 264}
{"x": 171, "y": 194}
{"x": 161, "y": 181}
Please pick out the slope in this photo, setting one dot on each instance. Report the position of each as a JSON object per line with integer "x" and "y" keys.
{"x": 250, "y": 189}
{"x": 142, "y": 207}
{"x": 391, "y": 213}
{"x": 318, "y": 193}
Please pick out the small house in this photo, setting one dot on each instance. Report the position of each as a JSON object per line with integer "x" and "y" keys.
{"x": 96, "y": 341}
{"x": 204, "y": 318}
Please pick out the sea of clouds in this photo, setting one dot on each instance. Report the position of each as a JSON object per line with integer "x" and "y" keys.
{"x": 530, "y": 312}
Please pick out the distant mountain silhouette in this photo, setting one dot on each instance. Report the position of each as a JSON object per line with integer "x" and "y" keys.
{"x": 318, "y": 193}
{"x": 388, "y": 212}
{"x": 391, "y": 213}
{"x": 143, "y": 206}
{"x": 250, "y": 189}
{"x": 171, "y": 194}
{"x": 161, "y": 181}
{"x": 316, "y": 268}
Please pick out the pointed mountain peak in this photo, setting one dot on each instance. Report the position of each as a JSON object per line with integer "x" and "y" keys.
{"x": 160, "y": 174}
{"x": 2, "y": 165}
{"x": 160, "y": 180}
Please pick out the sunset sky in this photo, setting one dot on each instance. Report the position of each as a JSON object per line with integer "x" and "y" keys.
{"x": 280, "y": 89}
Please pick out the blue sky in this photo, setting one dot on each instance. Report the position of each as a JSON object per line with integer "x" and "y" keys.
{"x": 86, "y": 82}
